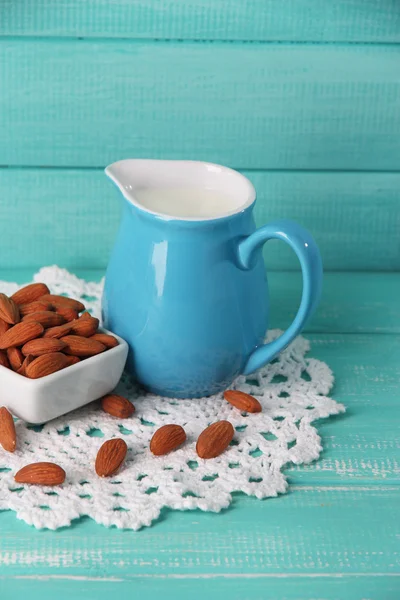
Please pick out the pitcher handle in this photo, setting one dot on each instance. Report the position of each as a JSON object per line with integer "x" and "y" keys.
{"x": 311, "y": 265}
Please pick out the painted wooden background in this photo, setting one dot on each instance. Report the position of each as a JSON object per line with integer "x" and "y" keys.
{"x": 249, "y": 20}
{"x": 304, "y": 98}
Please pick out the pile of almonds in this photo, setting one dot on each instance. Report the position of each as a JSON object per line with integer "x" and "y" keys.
{"x": 41, "y": 333}
{"x": 211, "y": 442}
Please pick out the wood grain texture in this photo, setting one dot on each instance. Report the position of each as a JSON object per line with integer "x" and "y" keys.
{"x": 368, "y": 305}
{"x": 254, "y": 20}
{"x": 377, "y": 586}
{"x": 88, "y": 103}
{"x": 70, "y": 217}
{"x": 364, "y": 444}
{"x": 350, "y": 303}
{"x": 309, "y": 532}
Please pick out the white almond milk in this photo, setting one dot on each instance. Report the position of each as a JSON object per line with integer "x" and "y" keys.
{"x": 185, "y": 202}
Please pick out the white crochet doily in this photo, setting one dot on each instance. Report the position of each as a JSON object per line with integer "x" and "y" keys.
{"x": 292, "y": 390}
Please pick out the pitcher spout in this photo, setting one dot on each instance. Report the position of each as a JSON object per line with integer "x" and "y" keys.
{"x": 134, "y": 174}
{"x": 126, "y": 175}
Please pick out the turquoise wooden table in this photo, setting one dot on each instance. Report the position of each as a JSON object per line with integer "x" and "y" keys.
{"x": 303, "y": 97}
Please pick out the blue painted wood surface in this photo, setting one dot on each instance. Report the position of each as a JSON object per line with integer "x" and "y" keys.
{"x": 335, "y": 535}
{"x": 87, "y": 102}
{"x": 70, "y": 216}
{"x": 351, "y": 302}
{"x": 244, "y": 587}
{"x": 247, "y": 20}
{"x": 304, "y": 97}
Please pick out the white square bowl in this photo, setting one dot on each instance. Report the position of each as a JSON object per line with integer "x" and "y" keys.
{"x": 40, "y": 400}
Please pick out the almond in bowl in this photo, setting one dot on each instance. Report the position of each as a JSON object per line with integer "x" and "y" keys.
{"x": 56, "y": 363}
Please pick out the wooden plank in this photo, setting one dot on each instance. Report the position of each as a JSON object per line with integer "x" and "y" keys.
{"x": 254, "y": 20}
{"x": 310, "y": 532}
{"x": 88, "y": 103}
{"x": 363, "y": 444}
{"x": 369, "y": 305}
{"x": 70, "y": 217}
{"x": 350, "y": 303}
{"x": 236, "y": 587}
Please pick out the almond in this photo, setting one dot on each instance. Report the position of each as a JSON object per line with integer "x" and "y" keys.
{"x": 30, "y": 293}
{"x": 67, "y": 312}
{"x": 42, "y": 346}
{"x": 110, "y": 457}
{"x": 4, "y": 362}
{"x": 20, "y": 334}
{"x": 117, "y": 406}
{"x": 72, "y": 360}
{"x": 58, "y": 331}
{"x": 27, "y": 361}
{"x": 81, "y": 346}
{"x": 9, "y": 311}
{"x": 15, "y": 358}
{"x": 45, "y": 365}
{"x": 86, "y": 326}
{"x": 64, "y": 301}
{"x": 43, "y": 473}
{"x": 47, "y": 318}
{"x": 242, "y": 401}
{"x": 32, "y": 307}
{"x": 3, "y": 326}
{"x": 215, "y": 439}
{"x": 109, "y": 341}
{"x": 8, "y": 437}
{"x": 166, "y": 439}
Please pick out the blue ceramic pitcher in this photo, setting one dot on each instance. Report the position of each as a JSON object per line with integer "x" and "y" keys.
{"x": 189, "y": 294}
